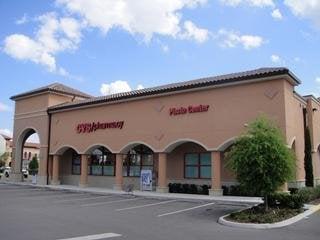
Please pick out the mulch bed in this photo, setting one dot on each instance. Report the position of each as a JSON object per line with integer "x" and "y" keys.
{"x": 257, "y": 214}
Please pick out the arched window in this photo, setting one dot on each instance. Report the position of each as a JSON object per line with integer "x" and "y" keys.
{"x": 102, "y": 162}
{"x": 25, "y": 155}
{"x": 138, "y": 158}
{"x": 29, "y": 157}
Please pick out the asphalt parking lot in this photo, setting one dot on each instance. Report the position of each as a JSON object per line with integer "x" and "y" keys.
{"x": 33, "y": 213}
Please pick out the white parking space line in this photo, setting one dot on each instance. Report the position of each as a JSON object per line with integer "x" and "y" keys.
{"x": 80, "y": 199}
{"x": 185, "y": 210}
{"x": 21, "y": 190}
{"x": 146, "y": 205}
{"x": 109, "y": 202}
{"x": 60, "y": 195}
{"x": 94, "y": 237}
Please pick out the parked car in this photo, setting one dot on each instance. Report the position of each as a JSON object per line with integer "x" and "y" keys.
{"x": 25, "y": 173}
{"x": 7, "y": 171}
{"x": 1, "y": 171}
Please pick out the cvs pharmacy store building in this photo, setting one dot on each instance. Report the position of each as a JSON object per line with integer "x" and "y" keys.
{"x": 178, "y": 131}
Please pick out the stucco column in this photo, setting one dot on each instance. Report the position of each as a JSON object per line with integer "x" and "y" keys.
{"x": 55, "y": 170}
{"x": 43, "y": 161}
{"x": 162, "y": 173}
{"x": 15, "y": 175}
{"x": 84, "y": 171}
{"x": 119, "y": 175}
{"x": 216, "y": 189}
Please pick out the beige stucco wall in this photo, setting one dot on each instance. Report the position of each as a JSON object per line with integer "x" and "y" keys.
{"x": 314, "y": 126}
{"x": 295, "y": 132}
{"x": 148, "y": 121}
{"x": 31, "y": 116}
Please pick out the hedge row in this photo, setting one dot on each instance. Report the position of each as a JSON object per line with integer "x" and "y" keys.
{"x": 294, "y": 200}
{"x": 189, "y": 188}
{"x": 234, "y": 190}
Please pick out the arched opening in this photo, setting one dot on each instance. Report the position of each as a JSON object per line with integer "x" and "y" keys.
{"x": 27, "y": 151}
{"x": 188, "y": 162}
{"x": 69, "y": 166}
{"x": 101, "y": 162}
{"x": 139, "y": 157}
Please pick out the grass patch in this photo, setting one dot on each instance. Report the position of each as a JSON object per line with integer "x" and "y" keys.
{"x": 257, "y": 214}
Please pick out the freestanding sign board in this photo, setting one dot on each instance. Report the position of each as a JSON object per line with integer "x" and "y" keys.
{"x": 146, "y": 180}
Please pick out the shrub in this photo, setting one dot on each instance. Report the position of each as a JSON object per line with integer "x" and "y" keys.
{"x": 193, "y": 189}
{"x": 188, "y": 188}
{"x": 285, "y": 200}
{"x": 309, "y": 194}
{"x": 205, "y": 189}
{"x": 260, "y": 158}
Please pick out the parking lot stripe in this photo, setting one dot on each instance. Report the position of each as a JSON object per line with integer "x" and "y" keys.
{"x": 146, "y": 205}
{"x": 115, "y": 201}
{"x": 94, "y": 237}
{"x": 21, "y": 190}
{"x": 185, "y": 210}
{"x": 39, "y": 197}
{"x": 80, "y": 199}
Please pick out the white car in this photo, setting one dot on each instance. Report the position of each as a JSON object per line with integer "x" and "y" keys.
{"x": 7, "y": 172}
{"x": 25, "y": 173}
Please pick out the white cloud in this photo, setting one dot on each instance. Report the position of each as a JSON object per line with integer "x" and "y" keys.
{"x": 4, "y": 107}
{"x": 275, "y": 58}
{"x": 117, "y": 87}
{"x": 200, "y": 35}
{"x": 24, "y": 19}
{"x": 318, "y": 79}
{"x": 253, "y": 3}
{"x": 231, "y": 39}
{"x": 54, "y": 35}
{"x": 6, "y": 132}
{"x": 143, "y": 17}
{"x": 309, "y": 9}
{"x": 276, "y": 14}
{"x": 139, "y": 87}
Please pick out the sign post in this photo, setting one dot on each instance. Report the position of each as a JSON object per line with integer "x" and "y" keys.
{"x": 146, "y": 180}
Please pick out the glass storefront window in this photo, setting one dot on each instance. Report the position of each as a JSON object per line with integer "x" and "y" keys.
{"x": 102, "y": 162}
{"x": 138, "y": 158}
{"x": 197, "y": 165}
{"x": 76, "y": 164}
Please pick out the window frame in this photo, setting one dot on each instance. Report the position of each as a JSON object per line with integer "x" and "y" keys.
{"x": 105, "y": 152}
{"x": 129, "y": 164}
{"x": 74, "y": 155}
{"x": 198, "y": 165}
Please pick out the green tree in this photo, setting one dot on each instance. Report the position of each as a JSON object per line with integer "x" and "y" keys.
{"x": 308, "y": 159}
{"x": 3, "y": 159}
{"x": 261, "y": 159}
{"x": 33, "y": 166}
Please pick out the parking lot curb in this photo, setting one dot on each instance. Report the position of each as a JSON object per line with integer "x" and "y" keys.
{"x": 310, "y": 210}
{"x": 104, "y": 191}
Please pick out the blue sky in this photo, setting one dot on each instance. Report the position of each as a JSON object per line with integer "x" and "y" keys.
{"x": 107, "y": 46}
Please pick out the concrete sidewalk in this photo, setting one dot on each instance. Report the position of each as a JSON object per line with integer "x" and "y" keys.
{"x": 235, "y": 199}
